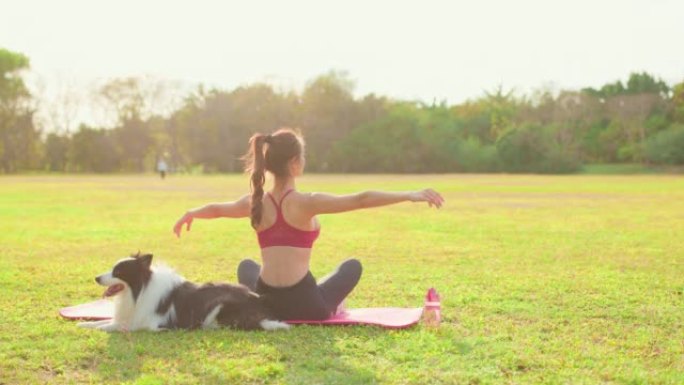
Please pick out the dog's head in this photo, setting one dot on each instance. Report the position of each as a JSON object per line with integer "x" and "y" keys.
{"x": 131, "y": 273}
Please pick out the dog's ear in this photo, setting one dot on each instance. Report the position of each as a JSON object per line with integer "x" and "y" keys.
{"x": 146, "y": 259}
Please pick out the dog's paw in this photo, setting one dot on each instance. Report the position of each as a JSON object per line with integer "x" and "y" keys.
{"x": 91, "y": 324}
{"x": 87, "y": 325}
{"x": 109, "y": 327}
{"x": 269, "y": 324}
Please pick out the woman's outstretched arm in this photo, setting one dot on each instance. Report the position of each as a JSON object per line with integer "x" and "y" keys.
{"x": 319, "y": 203}
{"x": 236, "y": 209}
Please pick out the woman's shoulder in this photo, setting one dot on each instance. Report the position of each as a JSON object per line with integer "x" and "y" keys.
{"x": 302, "y": 201}
{"x": 300, "y": 196}
{"x": 310, "y": 197}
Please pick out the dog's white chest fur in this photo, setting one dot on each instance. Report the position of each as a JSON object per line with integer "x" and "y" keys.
{"x": 142, "y": 313}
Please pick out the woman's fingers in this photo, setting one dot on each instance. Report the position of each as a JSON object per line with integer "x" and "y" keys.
{"x": 178, "y": 227}
{"x": 434, "y": 197}
{"x": 431, "y": 198}
{"x": 439, "y": 199}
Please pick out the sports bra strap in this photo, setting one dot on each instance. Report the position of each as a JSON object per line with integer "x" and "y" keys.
{"x": 272, "y": 199}
{"x": 280, "y": 205}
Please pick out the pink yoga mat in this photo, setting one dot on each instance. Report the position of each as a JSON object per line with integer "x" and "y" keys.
{"x": 387, "y": 317}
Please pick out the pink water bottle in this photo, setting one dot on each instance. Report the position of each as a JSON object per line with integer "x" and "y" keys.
{"x": 432, "y": 313}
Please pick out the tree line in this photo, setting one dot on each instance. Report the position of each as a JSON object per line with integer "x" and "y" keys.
{"x": 640, "y": 120}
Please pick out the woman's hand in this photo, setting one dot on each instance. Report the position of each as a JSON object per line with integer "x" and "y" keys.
{"x": 185, "y": 219}
{"x": 428, "y": 195}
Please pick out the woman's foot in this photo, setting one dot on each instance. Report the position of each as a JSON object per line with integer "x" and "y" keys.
{"x": 341, "y": 308}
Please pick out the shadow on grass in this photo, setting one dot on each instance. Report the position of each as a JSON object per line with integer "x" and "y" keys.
{"x": 303, "y": 355}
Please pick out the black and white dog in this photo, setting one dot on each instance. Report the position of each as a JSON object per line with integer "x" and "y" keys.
{"x": 155, "y": 298}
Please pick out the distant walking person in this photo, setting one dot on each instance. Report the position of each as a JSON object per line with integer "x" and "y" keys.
{"x": 162, "y": 168}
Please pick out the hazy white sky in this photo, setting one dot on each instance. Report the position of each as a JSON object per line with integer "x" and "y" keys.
{"x": 424, "y": 49}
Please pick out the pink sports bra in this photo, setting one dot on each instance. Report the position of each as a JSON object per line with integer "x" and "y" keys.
{"x": 283, "y": 234}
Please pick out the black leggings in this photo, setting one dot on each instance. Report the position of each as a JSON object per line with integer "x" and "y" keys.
{"x": 306, "y": 299}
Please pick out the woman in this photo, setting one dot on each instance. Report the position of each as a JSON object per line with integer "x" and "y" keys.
{"x": 286, "y": 227}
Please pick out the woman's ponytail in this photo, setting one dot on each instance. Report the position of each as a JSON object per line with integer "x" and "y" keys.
{"x": 256, "y": 166}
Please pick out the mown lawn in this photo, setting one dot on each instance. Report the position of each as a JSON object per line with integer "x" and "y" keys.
{"x": 544, "y": 279}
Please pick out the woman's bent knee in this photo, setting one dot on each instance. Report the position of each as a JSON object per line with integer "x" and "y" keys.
{"x": 247, "y": 265}
{"x": 352, "y": 266}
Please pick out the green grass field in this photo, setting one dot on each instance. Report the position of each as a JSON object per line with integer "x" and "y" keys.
{"x": 544, "y": 279}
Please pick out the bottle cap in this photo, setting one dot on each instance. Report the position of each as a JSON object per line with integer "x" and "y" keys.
{"x": 432, "y": 298}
